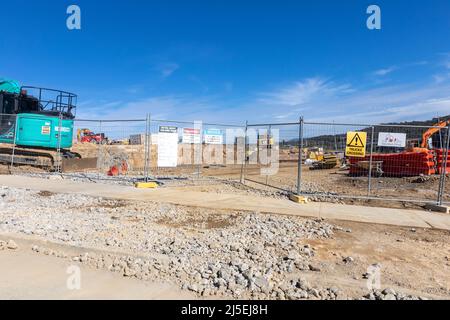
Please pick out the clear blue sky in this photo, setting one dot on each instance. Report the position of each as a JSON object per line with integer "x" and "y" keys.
{"x": 232, "y": 60}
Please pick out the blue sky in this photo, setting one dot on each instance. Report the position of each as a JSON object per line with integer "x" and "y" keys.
{"x": 231, "y": 61}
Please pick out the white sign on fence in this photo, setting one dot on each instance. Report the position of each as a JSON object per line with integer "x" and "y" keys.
{"x": 191, "y": 135}
{"x": 388, "y": 139}
{"x": 213, "y": 136}
{"x": 167, "y": 147}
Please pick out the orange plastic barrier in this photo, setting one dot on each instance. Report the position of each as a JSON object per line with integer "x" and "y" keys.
{"x": 399, "y": 164}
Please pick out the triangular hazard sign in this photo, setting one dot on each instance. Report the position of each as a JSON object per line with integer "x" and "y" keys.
{"x": 356, "y": 141}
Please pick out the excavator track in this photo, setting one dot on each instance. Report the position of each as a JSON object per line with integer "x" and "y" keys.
{"x": 41, "y": 158}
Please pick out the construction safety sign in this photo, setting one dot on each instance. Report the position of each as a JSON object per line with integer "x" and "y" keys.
{"x": 356, "y": 144}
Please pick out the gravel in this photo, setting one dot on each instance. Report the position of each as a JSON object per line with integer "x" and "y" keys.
{"x": 208, "y": 252}
{"x": 211, "y": 253}
{"x": 10, "y": 245}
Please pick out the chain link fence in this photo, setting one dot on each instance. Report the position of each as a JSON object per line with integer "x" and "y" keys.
{"x": 272, "y": 156}
{"x": 398, "y": 162}
{"x": 7, "y": 138}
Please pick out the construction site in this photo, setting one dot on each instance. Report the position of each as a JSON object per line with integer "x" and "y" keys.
{"x": 236, "y": 158}
{"x": 165, "y": 209}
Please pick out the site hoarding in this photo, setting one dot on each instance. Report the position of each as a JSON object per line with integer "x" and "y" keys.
{"x": 167, "y": 147}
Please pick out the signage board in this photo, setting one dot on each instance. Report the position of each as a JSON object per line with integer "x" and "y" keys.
{"x": 396, "y": 140}
{"x": 167, "y": 147}
{"x": 191, "y": 136}
{"x": 356, "y": 144}
{"x": 213, "y": 136}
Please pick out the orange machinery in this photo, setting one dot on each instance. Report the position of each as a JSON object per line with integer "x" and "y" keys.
{"x": 428, "y": 134}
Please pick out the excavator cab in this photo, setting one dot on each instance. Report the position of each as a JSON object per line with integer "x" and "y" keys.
{"x": 36, "y": 117}
{"x": 40, "y": 123}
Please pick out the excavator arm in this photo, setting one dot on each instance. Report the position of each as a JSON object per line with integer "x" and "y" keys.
{"x": 430, "y": 132}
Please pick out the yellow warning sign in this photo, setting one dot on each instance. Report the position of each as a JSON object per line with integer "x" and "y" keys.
{"x": 356, "y": 144}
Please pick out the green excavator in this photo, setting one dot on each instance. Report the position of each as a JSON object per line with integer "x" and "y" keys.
{"x": 36, "y": 125}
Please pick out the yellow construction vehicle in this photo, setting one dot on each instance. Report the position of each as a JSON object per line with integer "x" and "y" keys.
{"x": 328, "y": 161}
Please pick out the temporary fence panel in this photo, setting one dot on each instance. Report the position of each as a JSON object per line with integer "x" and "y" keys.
{"x": 272, "y": 156}
{"x": 185, "y": 150}
{"x": 444, "y": 165}
{"x": 402, "y": 166}
{"x": 357, "y": 161}
{"x": 118, "y": 146}
{"x": 324, "y": 150}
{"x": 222, "y": 151}
{"x": 390, "y": 162}
{"x": 7, "y": 139}
{"x": 169, "y": 157}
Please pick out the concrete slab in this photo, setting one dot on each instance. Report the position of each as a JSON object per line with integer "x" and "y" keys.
{"x": 398, "y": 217}
{"x": 25, "y": 275}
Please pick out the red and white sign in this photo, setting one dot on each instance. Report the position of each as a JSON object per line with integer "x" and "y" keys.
{"x": 191, "y": 135}
{"x": 387, "y": 139}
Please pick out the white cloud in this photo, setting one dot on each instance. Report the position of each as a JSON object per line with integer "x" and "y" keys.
{"x": 167, "y": 69}
{"x": 320, "y": 100}
{"x": 439, "y": 78}
{"x": 383, "y": 72}
{"x": 303, "y": 92}
{"x": 386, "y": 104}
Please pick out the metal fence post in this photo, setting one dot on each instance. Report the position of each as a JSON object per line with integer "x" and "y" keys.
{"x": 199, "y": 149}
{"x": 14, "y": 142}
{"x": 244, "y": 160}
{"x": 59, "y": 158}
{"x": 269, "y": 150}
{"x": 146, "y": 150}
{"x": 99, "y": 152}
{"x": 369, "y": 184}
{"x": 300, "y": 156}
{"x": 444, "y": 168}
{"x": 149, "y": 153}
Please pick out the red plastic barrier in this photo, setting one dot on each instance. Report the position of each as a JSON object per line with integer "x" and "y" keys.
{"x": 440, "y": 156}
{"x": 399, "y": 164}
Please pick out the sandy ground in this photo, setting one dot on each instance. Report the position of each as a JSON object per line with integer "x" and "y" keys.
{"x": 414, "y": 261}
